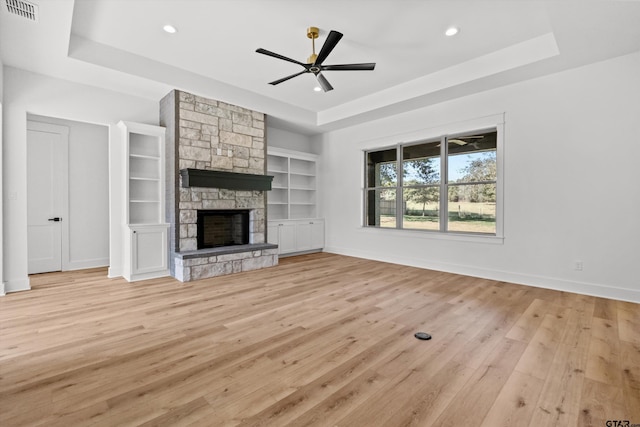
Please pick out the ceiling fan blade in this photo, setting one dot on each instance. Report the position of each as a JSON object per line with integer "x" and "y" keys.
{"x": 348, "y": 67}
{"x": 275, "y": 55}
{"x": 458, "y": 141}
{"x": 332, "y": 40}
{"x": 284, "y": 79}
{"x": 324, "y": 84}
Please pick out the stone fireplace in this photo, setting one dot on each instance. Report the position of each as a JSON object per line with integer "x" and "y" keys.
{"x": 215, "y": 154}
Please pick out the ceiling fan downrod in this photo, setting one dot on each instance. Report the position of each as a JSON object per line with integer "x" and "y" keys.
{"x": 313, "y": 33}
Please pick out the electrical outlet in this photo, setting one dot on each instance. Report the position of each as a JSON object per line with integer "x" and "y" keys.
{"x": 219, "y": 151}
{"x": 578, "y": 266}
{"x": 229, "y": 152}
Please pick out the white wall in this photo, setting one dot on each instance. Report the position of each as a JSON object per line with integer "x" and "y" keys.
{"x": 26, "y": 92}
{"x": 572, "y": 144}
{"x": 289, "y": 140}
{"x": 570, "y": 182}
{"x": 2, "y": 287}
{"x": 1, "y": 81}
{"x": 88, "y": 192}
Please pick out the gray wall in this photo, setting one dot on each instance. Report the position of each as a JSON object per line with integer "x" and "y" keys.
{"x": 291, "y": 140}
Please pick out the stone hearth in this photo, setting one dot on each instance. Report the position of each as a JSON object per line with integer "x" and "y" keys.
{"x": 205, "y": 134}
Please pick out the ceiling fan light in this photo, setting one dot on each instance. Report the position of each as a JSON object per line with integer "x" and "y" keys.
{"x": 317, "y": 89}
{"x": 170, "y": 29}
{"x": 451, "y": 31}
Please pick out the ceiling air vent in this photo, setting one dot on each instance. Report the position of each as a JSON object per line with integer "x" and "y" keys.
{"x": 23, "y": 8}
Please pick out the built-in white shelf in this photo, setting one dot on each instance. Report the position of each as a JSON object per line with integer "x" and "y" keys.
{"x": 293, "y": 194}
{"x": 146, "y": 232}
{"x": 292, "y": 211}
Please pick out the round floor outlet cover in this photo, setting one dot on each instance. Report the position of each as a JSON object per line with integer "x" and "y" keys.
{"x": 422, "y": 336}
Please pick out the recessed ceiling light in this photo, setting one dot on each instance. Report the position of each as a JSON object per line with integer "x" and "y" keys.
{"x": 451, "y": 31}
{"x": 317, "y": 88}
{"x": 170, "y": 29}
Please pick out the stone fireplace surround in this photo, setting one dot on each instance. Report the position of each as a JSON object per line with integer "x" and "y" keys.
{"x": 209, "y": 135}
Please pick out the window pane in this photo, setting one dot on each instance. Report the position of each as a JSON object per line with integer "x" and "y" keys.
{"x": 472, "y": 208}
{"x": 381, "y": 208}
{"x": 382, "y": 168}
{"x": 421, "y": 208}
{"x": 421, "y": 163}
{"x": 472, "y": 158}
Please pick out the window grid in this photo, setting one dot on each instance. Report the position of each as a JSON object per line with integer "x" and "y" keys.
{"x": 444, "y": 185}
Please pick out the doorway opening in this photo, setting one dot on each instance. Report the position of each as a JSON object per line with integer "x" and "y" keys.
{"x": 67, "y": 195}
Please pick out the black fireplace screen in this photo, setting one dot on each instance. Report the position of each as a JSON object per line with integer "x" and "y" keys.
{"x": 222, "y": 228}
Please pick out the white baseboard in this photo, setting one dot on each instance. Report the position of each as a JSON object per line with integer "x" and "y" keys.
{"x": 312, "y": 251}
{"x": 17, "y": 285}
{"x": 592, "y": 289}
{"x": 113, "y": 272}
{"x": 88, "y": 263}
{"x": 147, "y": 276}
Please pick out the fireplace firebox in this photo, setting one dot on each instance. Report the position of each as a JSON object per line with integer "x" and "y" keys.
{"x": 216, "y": 228}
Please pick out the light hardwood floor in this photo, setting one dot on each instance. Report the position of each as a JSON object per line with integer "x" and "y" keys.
{"x": 319, "y": 340}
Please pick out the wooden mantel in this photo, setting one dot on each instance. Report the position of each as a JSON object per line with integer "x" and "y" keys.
{"x": 228, "y": 180}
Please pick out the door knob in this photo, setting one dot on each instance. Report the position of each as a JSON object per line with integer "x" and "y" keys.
{"x": 56, "y": 219}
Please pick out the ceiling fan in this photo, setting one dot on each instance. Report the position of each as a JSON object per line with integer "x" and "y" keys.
{"x": 460, "y": 139}
{"x": 314, "y": 64}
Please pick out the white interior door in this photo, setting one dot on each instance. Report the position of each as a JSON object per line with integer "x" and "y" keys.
{"x": 47, "y": 194}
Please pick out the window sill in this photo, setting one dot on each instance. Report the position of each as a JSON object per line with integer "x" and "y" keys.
{"x": 436, "y": 235}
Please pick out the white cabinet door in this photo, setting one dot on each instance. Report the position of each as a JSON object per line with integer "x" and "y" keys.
{"x": 317, "y": 234}
{"x": 149, "y": 254}
{"x": 286, "y": 237}
{"x": 272, "y": 233}
{"x": 303, "y": 236}
{"x": 296, "y": 235}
